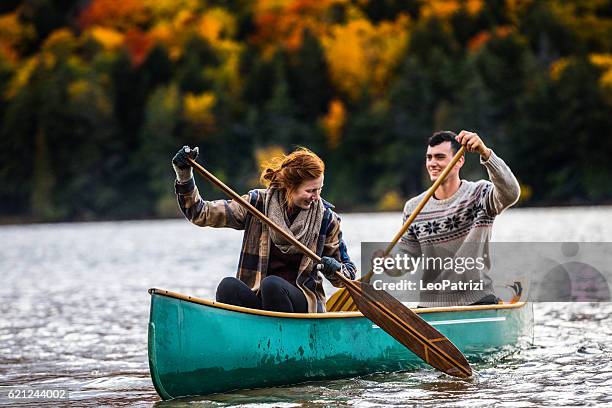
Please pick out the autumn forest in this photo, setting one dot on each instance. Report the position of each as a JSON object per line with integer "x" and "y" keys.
{"x": 97, "y": 96}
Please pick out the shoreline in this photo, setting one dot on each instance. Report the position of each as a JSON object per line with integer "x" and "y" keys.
{"x": 6, "y": 221}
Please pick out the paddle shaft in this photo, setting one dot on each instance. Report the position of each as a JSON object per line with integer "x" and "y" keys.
{"x": 419, "y": 207}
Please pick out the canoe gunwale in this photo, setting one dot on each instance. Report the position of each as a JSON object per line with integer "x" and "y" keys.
{"x": 327, "y": 315}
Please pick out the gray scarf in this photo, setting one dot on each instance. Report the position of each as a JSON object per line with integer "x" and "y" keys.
{"x": 305, "y": 228}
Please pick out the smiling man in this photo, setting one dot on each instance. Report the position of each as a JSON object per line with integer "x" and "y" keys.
{"x": 458, "y": 220}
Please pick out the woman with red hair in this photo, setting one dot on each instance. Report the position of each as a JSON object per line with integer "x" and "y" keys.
{"x": 272, "y": 273}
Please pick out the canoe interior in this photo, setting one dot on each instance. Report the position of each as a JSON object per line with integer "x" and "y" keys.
{"x": 199, "y": 347}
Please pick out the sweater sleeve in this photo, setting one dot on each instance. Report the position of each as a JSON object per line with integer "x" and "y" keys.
{"x": 336, "y": 248}
{"x": 506, "y": 189}
{"x": 217, "y": 213}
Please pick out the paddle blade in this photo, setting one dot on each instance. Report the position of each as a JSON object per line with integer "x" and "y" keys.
{"x": 409, "y": 329}
{"x": 340, "y": 301}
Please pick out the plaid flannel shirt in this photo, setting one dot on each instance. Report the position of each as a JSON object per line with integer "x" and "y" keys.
{"x": 255, "y": 252}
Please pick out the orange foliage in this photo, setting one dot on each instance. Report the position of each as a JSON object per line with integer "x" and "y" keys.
{"x": 12, "y": 33}
{"x": 216, "y": 25}
{"x": 333, "y": 122}
{"x": 283, "y": 22}
{"x": 446, "y": 8}
{"x": 557, "y": 68}
{"x": 109, "y": 38}
{"x": 138, "y": 44}
{"x": 123, "y": 14}
{"x": 7, "y": 53}
{"x": 483, "y": 37}
{"x": 478, "y": 41}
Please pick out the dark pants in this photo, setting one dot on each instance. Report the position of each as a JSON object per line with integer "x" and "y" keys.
{"x": 275, "y": 294}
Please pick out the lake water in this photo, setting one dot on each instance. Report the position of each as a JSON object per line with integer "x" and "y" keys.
{"x": 74, "y": 311}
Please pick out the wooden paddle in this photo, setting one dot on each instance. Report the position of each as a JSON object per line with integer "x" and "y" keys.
{"x": 378, "y": 306}
{"x": 341, "y": 301}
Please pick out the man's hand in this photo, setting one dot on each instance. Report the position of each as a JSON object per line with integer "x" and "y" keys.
{"x": 329, "y": 266}
{"x": 181, "y": 165}
{"x": 473, "y": 143}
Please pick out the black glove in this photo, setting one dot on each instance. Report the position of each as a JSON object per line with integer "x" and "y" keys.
{"x": 181, "y": 165}
{"x": 329, "y": 266}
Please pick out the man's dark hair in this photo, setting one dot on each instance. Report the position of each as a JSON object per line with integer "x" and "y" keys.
{"x": 445, "y": 136}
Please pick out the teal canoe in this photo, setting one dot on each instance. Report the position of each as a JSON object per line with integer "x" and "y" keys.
{"x": 199, "y": 347}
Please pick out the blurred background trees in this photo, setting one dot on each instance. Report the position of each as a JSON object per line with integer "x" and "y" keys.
{"x": 97, "y": 95}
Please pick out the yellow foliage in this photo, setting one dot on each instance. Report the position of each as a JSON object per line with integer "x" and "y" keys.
{"x": 601, "y": 60}
{"x": 12, "y": 34}
{"x": 76, "y": 89}
{"x": 526, "y": 192}
{"x": 216, "y": 24}
{"x": 170, "y": 99}
{"x": 266, "y": 155}
{"x": 446, "y": 8}
{"x": 84, "y": 92}
{"x": 161, "y": 9}
{"x": 60, "y": 37}
{"x": 266, "y": 6}
{"x": 391, "y": 201}
{"x": 109, "y": 38}
{"x": 182, "y": 19}
{"x": 210, "y": 28}
{"x": 606, "y": 79}
{"x": 164, "y": 33}
{"x": 227, "y": 74}
{"x": 604, "y": 62}
{"x": 557, "y": 68}
{"x": 333, "y": 122}
{"x": 174, "y": 32}
{"x": 59, "y": 44}
{"x": 11, "y": 29}
{"x": 197, "y": 109}
{"x": 21, "y": 77}
{"x": 217, "y": 27}
{"x": 361, "y": 55}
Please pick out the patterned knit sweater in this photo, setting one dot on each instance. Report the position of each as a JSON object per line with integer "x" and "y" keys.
{"x": 460, "y": 226}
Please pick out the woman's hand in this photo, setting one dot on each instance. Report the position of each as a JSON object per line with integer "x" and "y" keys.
{"x": 181, "y": 165}
{"x": 329, "y": 266}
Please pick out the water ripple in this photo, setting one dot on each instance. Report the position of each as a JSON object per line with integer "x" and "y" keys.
{"x": 74, "y": 313}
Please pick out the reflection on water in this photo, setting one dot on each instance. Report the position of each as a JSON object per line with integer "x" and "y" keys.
{"x": 74, "y": 310}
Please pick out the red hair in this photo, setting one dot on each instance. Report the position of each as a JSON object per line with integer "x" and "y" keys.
{"x": 287, "y": 172}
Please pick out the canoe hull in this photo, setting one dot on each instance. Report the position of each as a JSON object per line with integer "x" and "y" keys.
{"x": 199, "y": 349}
